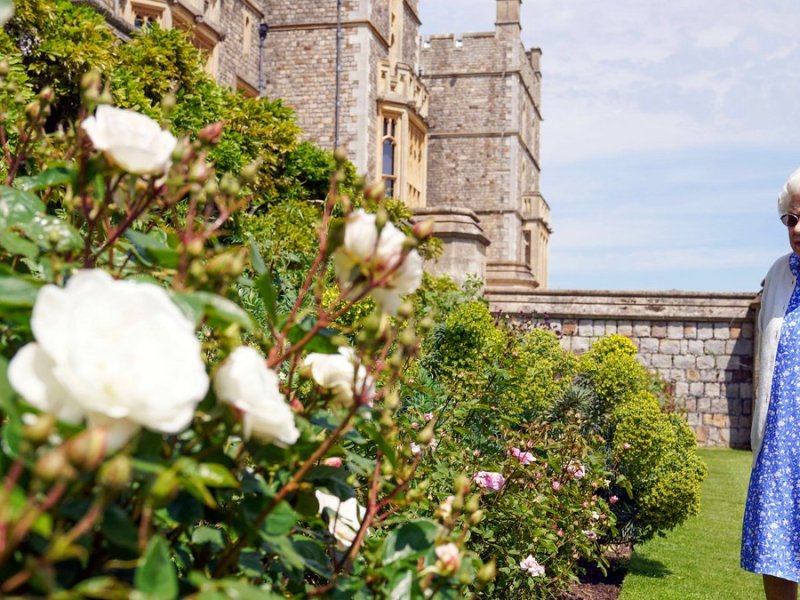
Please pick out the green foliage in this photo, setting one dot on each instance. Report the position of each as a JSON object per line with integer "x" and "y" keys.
{"x": 467, "y": 340}
{"x": 157, "y": 62}
{"x": 58, "y": 41}
{"x": 610, "y": 368}
{"x": 545, "y": 371}
{"x": 213, "y": 509}
{"x": 655, "y": 452}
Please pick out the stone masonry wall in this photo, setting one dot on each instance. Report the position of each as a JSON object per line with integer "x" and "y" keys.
{"x": 300, "y": 67}
{"x": 702, "y": 345}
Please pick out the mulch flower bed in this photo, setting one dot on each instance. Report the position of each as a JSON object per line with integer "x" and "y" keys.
{"x": 594, "y": 585}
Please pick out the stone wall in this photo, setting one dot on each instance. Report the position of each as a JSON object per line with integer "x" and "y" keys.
{"x": 701, "y": 344}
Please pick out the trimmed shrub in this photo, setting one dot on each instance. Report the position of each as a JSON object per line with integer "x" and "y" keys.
{"x": 655, "y": 452}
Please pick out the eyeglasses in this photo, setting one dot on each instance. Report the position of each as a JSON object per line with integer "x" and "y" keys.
{"x": 790, "y": 220}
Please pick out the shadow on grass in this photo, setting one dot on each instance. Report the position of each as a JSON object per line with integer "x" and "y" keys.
{"x": 645, "y": 567}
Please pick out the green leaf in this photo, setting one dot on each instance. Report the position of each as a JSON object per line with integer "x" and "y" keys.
{"x": 281, "y": 520}
{"x": 285, "y": 551}
{"x": 17, "y": 293}
{"x": 196, "y": 304}
{"x": 373, "y": 432}
{"x": 410, "y": 540}
{"x": 51, "y": 232}
{"x": 334, "y": 480}
{"x": 46, "y": 179}
{"x": 153, "y": 248}
{"x": 256, "y": 259}
{"x": 17, "y": 246}
{"x": 118, "y": 528}
{"x": 314, "y": 555}
{"x": 401, "y": 586}
{"x": 17, "y": 206}
{"x": 321, "y": 342}
{"x": 155, "y": 576}
{"x": 269, "y": 295}
{"x": 209, "y": 535}
{"x": 12, "y": 430}
{"x": 216, "y": 475}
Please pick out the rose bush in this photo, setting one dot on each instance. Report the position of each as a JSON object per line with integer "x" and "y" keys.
{"x": 123, "y": 473}
{"x": 327, "y": 459}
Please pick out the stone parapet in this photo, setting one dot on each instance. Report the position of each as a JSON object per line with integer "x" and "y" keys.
{"x": 625, "y": 305}
{"x": 701, "y": 344}
{"x": 464, "y": 242}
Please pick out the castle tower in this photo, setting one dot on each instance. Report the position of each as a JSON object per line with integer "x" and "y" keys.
{"x": 483, "y": 143}
{"x": 382, "y": 102}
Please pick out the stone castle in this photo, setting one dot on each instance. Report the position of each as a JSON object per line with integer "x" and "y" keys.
{"x": 422, "y": 115}
{"x": 451, "y": 126}
{"x": 416, "y": 115}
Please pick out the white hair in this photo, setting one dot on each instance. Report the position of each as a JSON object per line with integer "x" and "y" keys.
{"x": 792, "y": 188}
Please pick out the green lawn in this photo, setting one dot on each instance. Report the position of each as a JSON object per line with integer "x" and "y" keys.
{"x": 700, "y": 559}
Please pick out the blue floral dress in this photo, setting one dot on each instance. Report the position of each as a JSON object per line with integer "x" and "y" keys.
{"x": 771, "y": 531}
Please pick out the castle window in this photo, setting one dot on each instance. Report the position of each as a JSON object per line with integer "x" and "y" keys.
{"x": 389, "y": 155}
{"x": 144, "y": 15}
{"x": 527, "y": 248}
{"x": 247, "y": 35}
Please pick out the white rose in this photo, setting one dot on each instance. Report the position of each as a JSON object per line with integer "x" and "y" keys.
{"x": 345, "y": 518}
{"x": 364, "y": 251}
{"x": 360, "y": 240}
{"x": 132, "y": 141}
{"x": 118, "y": 353}
{"x": 338, "y": 374}
{"x": 449, "y": 557}
{"x": 244, "y": 381}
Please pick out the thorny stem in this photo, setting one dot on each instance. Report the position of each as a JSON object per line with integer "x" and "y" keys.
{"x": 26, "y": 521}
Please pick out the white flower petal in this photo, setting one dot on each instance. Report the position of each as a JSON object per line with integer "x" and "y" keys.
{"x": 132, "y": 141}
{"x": 30, "y": 373}
{"x": 245, "y": 381}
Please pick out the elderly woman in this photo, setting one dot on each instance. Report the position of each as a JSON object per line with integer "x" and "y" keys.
{"x": 771, "y": 532}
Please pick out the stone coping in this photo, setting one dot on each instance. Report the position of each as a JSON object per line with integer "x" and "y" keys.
{"x": 625, "y": 305}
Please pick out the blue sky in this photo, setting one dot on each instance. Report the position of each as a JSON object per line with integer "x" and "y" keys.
{"x": 669, "y": 129}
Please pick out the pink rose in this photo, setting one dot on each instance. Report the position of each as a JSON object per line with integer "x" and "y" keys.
{"x": 333, "y": 461}
{"x": 576, "y": 470}
{"x": 428, "y": 416}
{"x": 525, "y": 458}
{"x": 415, "y": 426}
{"x": 556, "y": 485}
{"x": 613, "y": 499}
{"x": 489, "y": 480}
